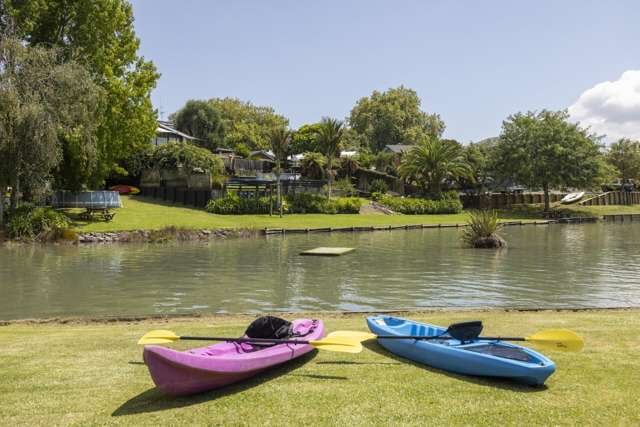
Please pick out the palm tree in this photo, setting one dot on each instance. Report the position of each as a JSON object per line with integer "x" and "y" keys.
{"x": 312, "y": 165}
{"x": 329, "y": 137}
{"x": 280, "y": 140}
{"x": 433, "y": 160}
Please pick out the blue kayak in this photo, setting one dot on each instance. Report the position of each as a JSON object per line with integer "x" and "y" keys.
{"x": 476, "y": 357}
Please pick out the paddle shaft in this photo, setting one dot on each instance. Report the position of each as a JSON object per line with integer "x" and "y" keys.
{"x": 435, "y": 337}
{"x": 247, "y": 340}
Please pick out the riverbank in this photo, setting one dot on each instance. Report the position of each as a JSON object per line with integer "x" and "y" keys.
{"x": 142, "y": 220}
{"x": 140, "y": 213}
{"x": 90, "y": 373}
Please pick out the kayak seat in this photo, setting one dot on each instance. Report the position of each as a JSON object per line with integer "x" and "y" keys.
{"x": 503, "y": 351}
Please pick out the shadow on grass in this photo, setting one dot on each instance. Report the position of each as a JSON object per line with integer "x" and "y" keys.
{"x": 349, "y": 362}
{"x": 505, "y": 384}
{"x": 321, "y": 377}
{"x": 153, "y": 400}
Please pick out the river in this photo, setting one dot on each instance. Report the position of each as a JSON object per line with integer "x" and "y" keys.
{"x": 554, "y": 266}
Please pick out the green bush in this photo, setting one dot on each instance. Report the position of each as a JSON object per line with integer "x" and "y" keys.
{"x": 410, "y": 206}
{"x": 232, "y": 204}
{"x": 41, "y": 223}
{"x": 317, "y": 203}
{"x": 481, "y": 230}
{"x": 344, "y": 187}
{"x": 378, "y": 186}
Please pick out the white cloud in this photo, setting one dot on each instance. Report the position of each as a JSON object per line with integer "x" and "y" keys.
{"x": 611, "y": 108}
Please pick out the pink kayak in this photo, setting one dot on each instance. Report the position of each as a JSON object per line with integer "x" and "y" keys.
{"x": 180, "y": 373}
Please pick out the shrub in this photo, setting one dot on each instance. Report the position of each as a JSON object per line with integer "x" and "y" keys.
{"x": 344, "y": 187}
{"x": 410, "y": 206}
{"x": 41, "y": 223}
{"x": 232, "y": 204}
{"x": 481, "y": 230}
{"x": 317, "y": 203}
{"x": 378, "y": 186}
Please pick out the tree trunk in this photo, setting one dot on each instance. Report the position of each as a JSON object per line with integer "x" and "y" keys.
{"x": 545, "y": 187}
{"x": 2, "y": 190}
{"x": 435, "y": 188}
{"x": 15, "y": 189}
{"x": 329, "y": 176}
{"x": 279, "y": 196}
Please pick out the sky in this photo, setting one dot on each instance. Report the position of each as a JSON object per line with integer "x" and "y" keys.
{"x": 473, "y": 62}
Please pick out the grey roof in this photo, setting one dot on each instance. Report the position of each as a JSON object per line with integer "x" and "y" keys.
{"x": 398, "y": 148}
{"x": 169, "y": 127}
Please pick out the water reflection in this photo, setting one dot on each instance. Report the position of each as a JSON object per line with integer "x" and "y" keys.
{"x": 549, "y": 266}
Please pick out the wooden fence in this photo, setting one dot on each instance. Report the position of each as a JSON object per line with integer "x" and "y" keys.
{"x": 505, "y": 200}
{"x": 613, "y": 198}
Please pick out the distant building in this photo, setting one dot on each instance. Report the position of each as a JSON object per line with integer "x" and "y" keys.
{"x": 166, "y": 132}
{"x": 398, "y": 149}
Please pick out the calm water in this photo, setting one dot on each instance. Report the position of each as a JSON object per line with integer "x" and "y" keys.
{"x": 593, "y": 265}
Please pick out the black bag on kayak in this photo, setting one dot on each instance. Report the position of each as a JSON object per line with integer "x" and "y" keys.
{"x": 269, "y": 327}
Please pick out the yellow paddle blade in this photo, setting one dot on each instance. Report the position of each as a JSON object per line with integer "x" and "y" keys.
{"x": 158, "y": 336}
{"x": 339, "y": 344}
{"x": 558, "y": 339}
{"x": 354, "y": 335}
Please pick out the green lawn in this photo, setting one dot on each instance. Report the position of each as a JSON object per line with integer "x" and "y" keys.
{"x": 147, "y": 214}
{"x": 92, "y": 374}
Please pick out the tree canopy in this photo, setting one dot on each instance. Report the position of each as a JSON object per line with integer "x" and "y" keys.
{"x": 480, "y": 156}
{"x": 201, "y": 120}
{"x": 99, "y": 35}
{"x": 393, "y": 117}
{"x": 432, "y": 161}
{"x": 545, "y": 150}
{"x": 246, "y": 123}
{"x": 47, "y": 118}
{"x": 624, "y": 155}
{"x": 303, "y": 140}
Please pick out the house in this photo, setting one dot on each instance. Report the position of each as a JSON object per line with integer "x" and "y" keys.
{"x": 262, "y": 155}
{"x": 398, "y": 149}
{"x": 166, "y": 132}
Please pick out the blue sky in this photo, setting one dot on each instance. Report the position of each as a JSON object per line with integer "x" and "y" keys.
{"x": 472, "y": 62}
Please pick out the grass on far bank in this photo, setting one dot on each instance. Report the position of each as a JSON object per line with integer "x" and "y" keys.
{"x": 92, "y": 374}
{"x": 148, "y": 214}
{"x": 140, "y": 213}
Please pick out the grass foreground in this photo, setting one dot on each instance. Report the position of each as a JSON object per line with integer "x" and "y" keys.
{"x": 140, "y": 213}
{"x": 92, "y": 374}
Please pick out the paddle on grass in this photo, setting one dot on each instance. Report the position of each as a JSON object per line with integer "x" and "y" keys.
{"x": 557, "y": 339}
{"x": 339, "y": 344}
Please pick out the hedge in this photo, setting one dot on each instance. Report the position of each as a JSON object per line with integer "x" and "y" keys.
{"x": 410, "y": 206}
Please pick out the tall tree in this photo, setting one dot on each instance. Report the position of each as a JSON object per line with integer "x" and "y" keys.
{"x": 47, "y": 116}
{"x": 201, "y": 120}
{"x": 545, "y": 150}
{"x": 280, "y": 145}
{"x": 99, "y": 34}
{"x": 480, "y": 157}
{"x": 313, "y": 165}
{"x": 432, "y": 161}
{"x": 624, "y": 155}
{"x": 329, "y": 142}
{"x": 303, "y": 140}
{"x": 393, "y": 117}
{"x": 247, "y": 123}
